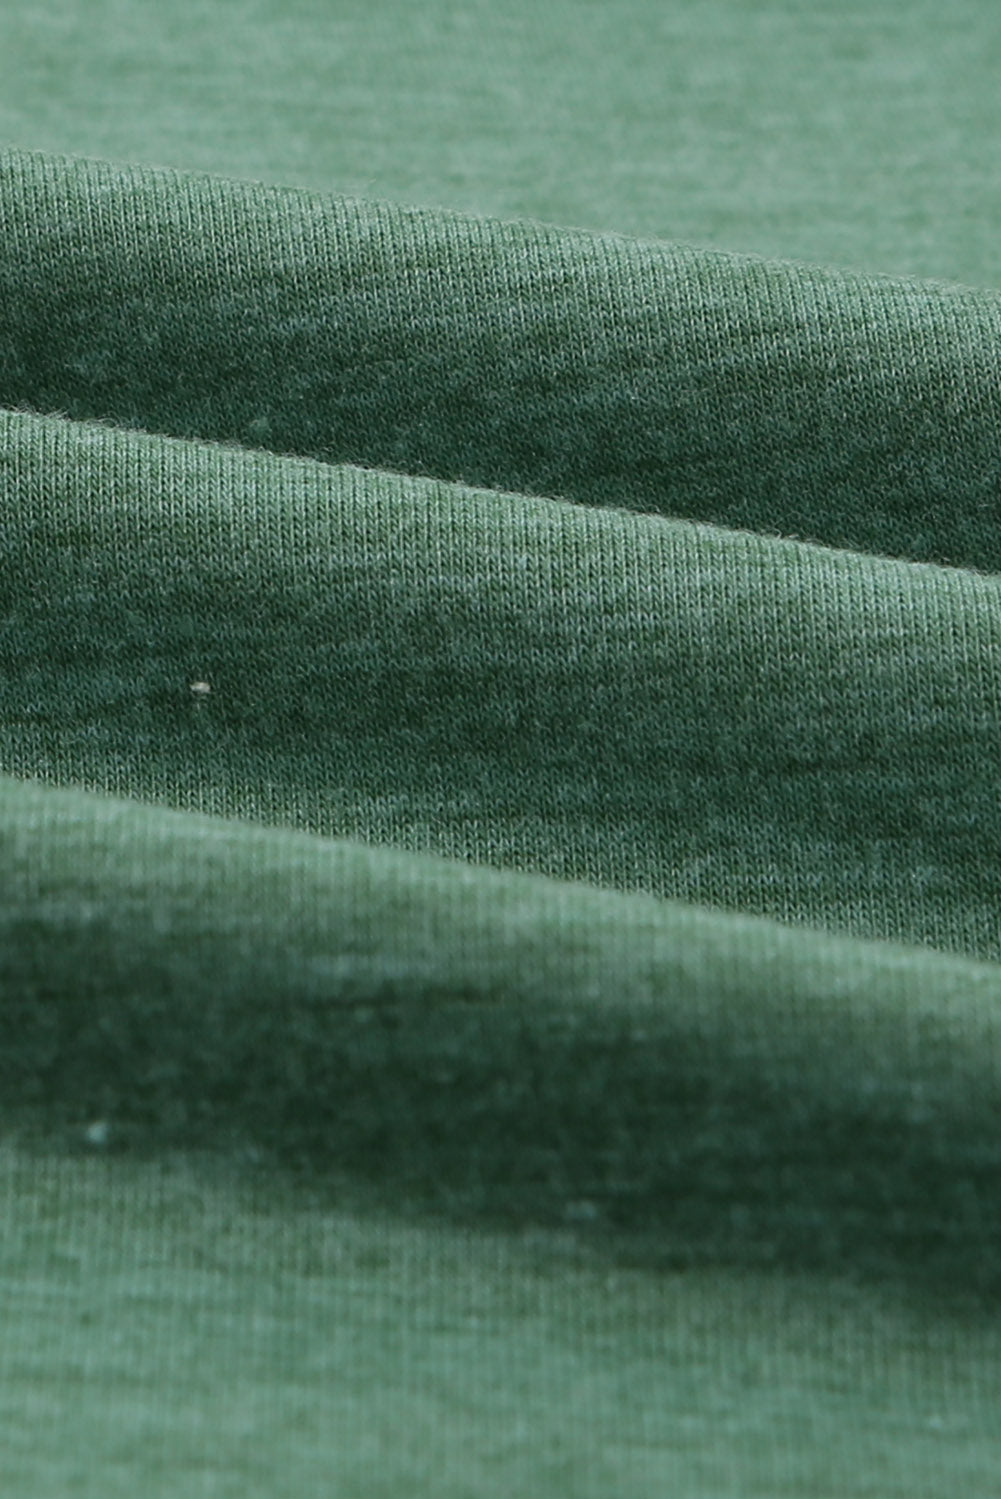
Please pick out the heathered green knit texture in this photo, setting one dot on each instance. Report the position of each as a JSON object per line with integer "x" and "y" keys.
{"x": 855, "y": 411}
{"x": 640, "y": 702}
{"x": 500, "y": 835}
{"x": 503, "y": 1045}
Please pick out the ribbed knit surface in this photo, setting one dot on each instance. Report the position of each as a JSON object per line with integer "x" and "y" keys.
{"x": 500, "y": 832}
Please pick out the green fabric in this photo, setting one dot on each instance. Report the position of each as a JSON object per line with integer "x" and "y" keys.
{"x": 500, "y": 685}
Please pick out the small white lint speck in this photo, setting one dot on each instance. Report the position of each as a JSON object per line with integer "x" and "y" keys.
{"x": 200, "y": 689}
{"x": 98, "y": 1133}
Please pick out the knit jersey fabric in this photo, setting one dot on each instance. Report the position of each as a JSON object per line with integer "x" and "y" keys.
{"x": 500, "y": 695}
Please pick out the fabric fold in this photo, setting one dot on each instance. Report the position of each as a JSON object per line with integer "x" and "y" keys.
{"x": 500, "y": 832}
{"x": 646, "y": 703}
{"x": 862, "y": 412}
{"x": 500, "y": 1048}
{"x": 423, "y": 759}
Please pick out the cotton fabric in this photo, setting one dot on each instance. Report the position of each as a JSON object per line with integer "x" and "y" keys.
{"x": 500, "y": 678}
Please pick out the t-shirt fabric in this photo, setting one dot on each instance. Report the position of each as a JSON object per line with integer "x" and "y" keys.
{"x": 500, "y": 686}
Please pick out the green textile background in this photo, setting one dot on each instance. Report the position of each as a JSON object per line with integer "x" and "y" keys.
{"x": 500, "y": 685}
